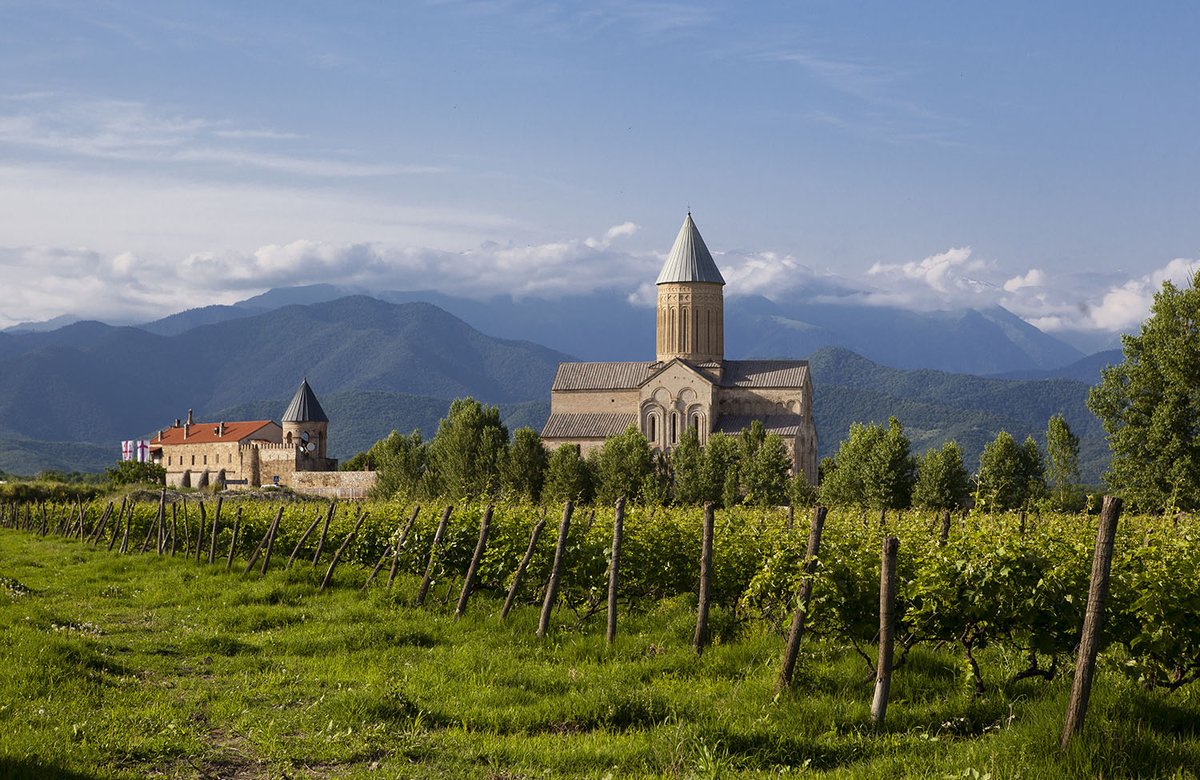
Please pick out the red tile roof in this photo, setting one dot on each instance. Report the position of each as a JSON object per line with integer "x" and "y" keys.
{"x": 206, "y": 433}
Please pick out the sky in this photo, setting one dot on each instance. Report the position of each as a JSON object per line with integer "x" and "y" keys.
{"x": 157, "y": 156}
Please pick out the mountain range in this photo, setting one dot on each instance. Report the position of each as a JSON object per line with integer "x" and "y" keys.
{"x": 68, "y": 395}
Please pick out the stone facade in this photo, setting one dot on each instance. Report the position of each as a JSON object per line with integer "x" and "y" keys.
{"x": 248, "y": 454}
{"x": 690, "y": 384}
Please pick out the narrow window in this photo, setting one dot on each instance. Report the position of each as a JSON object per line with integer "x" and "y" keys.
{"x": 674, "y": 424}
{"x": 193, "y": 460}
{"x": 205, "y": 460}
{"x": 650, "y": 432}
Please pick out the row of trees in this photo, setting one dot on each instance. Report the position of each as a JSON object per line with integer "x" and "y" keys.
{"x": 472, "y": 455}
{"x": 875, "y": 469}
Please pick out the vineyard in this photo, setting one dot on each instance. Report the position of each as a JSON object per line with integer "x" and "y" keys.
{"x": 987, "y": 608}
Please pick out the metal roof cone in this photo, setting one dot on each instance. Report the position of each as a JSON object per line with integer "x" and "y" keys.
{"x": 304, "y": 406}
{"x": 690, "y": 260}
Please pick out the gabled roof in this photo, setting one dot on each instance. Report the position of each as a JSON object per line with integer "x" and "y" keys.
{"x": 592, "y": 425}
{"x": 603, "y": 376}
{"x": 764, "y": 373}
{"x": 304, "y": 406}
{"x": 206, "y": 433}
{"x": 690, "y": 260}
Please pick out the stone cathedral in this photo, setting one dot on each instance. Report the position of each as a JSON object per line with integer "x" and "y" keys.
{"x": 690, "y": 383}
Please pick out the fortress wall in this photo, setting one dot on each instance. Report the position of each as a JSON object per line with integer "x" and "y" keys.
{"x": 333, "y": 484}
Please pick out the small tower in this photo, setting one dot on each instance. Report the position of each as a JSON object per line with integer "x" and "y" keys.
{"x": 691, "y": 303}
{"x": 304, "y": 422}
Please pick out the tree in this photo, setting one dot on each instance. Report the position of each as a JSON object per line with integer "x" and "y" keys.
{"x": 873, "y": 468}
{"x": 567, "y": 476}
{"x": 622, "y": 466}
{"x": 942, "y": 481}
{"x": 524, "y": 471}
{"x": 720, "y": 469}
{"x": 687, "y": 463}
{"x": 1062, "y": 446}
{"x": 401, "y": 465}
{"x": 466, "y": 453}
{"x": 763, "y": 466}
{"x": 1150, "y": 406}
{"x": 132, "y": 472}
{"x": 1011, "y": 476}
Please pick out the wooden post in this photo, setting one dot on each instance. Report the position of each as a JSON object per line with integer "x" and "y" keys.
{"x": 125, "y": 536}
{"x": 944, "y": 535}
{"x": 433, "y": 551}
{"x": 271, "y": 539}
{"x": 303, "y": 539}
{"x": 516, "y": 583}
{"x": 212, "y": 543}
{"x": 480, "y": 545}
{"x": 1093, "y": 619}
{"x": 887, "y": 630}
{"x": 701, "y": 636}
{"x": 187, "y": 532}
{"x": 560, "y": 551}
{"x": 117, "y": 527}
{"x": 101, "y": 524}
{"x": 161, "y": 522}
{"x": 174, "y": 528}
{"x": 324, "y": 532}
{"x": 614, "y": 570}
{"x": 157, "y": 522}
{"x": 1021, "y": 521}
{"x": 237, "y": 525}
{"x": 791, "y": 521}
{"x": 796, "y": 633}
{"x": 400, "y": 543}
{"x": 262, "y": 543}
{"x": 338, "y": 555}
{"x": 200, "y": 532}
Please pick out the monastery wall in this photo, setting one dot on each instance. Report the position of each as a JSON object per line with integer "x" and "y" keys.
{"x": 333, "y": 484}
{"x": 591, "y": 401}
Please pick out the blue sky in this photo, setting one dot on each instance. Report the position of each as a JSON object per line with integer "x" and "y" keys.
{"x": 155, "y": 156}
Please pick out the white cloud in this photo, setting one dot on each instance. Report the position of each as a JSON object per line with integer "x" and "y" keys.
{"x": 1124, "y": 306}
{"x": 1033, "y": 278}
{"x": 942, "y": 272}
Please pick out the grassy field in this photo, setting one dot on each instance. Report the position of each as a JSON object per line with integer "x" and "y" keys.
{"x": 144, "y": 666}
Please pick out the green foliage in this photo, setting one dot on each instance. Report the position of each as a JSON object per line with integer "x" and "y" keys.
{"x": 1150, "y": 407}
{"x": 691, "y": 484}
{"x": 942, "y": 481}
{"x": 622, "y": 466}
{"x": 468, "y": 451}
{"x": 1010, "y": 476}
{"x": 401, "y": 464}
{"x": 524, "y": 468}
{"x": 568, "y": 476}
{"x": 763, "y": 467}
{"x": 132, "y": 472}
{"x": 873, "y": 469}
{"x": 1062, "y": 446}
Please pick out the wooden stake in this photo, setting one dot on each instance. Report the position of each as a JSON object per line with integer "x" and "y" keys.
{"x": 324, "y": 532}
{"x": 303, "y": 539}
{"x": 271, "y": 539}
{"x": 1093, "y": 619}
{"x": 799, "y": 617}
{"x": 212, "y": 544}
{"x": 614, "y": 570}
{"x": 480, "y": 545}
{"x": 237, "y": 524}
{"x": 944, "y": 535}
{"x": 200, "y": 532}
{"x": 400, "y": 543}
{"x": 338, "y": 555}
{"x": 433, "y": 551}
{"x": 701, "y": 636}
{"x": 887, "y": 630}
{"x": 516, "y": 583}
{"x": 560, "y": 551}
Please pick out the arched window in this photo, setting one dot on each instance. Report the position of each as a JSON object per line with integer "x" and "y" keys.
{"x": 674, "y": 427}
{"x": 696, "y": 423}
{"x": 651, "y": 433}
{"x": 289, "y": 438}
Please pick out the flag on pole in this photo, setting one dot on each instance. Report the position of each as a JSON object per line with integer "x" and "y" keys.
{"x": 143, "y": 451}
{"x": 127, "y": 450}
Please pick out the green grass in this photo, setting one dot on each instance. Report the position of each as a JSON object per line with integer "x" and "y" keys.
{"x": 134, "y": 666}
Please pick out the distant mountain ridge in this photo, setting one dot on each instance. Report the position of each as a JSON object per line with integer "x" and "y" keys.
{"x": 606, "y": 325}
{"x": 379, "y": 366}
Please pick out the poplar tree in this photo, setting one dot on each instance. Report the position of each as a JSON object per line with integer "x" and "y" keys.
{"x": 1062, "y": 449}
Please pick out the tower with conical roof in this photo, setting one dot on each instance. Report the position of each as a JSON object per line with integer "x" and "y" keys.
{"x": 305, "y": 423}
{"x": 691, "y": 303}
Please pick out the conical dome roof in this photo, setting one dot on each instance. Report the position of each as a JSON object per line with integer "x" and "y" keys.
{"x": 304, "y": 406}
{"x": 690, "y": 260}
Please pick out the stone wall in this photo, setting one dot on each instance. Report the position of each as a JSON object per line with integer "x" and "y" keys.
{"x": 333, "y": 484}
